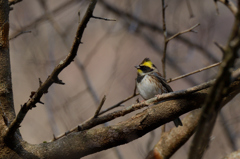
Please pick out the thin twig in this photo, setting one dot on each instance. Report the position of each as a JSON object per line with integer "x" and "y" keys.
{"x": 165, "y": 40}
{"x": 103, "y": 18}
{"x": 182, "y": 32}
{"x": 219, "y": 46}
{"x": 22, "y": 32}
{"x": 118, "y": 104}
{"x": 191, "y": 73}
{"x": 100, "y": 106}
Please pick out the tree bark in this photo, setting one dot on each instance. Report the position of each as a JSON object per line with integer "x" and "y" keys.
{"x": 6, "y": 95}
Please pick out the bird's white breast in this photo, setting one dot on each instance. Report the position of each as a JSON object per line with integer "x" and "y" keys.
{"x": 147, "y": 88}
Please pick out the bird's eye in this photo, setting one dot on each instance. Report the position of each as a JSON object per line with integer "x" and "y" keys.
{"x": 146, "y": 69}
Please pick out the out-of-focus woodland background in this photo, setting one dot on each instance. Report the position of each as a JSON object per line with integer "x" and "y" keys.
{"x": 107, "y": 57}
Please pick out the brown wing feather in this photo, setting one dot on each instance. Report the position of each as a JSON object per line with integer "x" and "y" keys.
{"x": 163, "y": 81}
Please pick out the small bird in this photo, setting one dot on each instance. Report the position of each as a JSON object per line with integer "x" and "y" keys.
{"x": 150, "y": 82}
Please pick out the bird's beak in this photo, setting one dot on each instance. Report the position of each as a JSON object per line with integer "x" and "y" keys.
{"x": 137, "y": 67}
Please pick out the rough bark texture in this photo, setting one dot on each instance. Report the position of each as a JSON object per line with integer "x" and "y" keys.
{"x": 172, "y": 140}
{"x": 7, "y": 112}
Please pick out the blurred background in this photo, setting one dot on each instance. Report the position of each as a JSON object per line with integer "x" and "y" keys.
{"x": 42, "y": 32}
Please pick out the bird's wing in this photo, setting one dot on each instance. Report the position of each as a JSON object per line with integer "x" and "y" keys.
{"x": 163, "y": 81}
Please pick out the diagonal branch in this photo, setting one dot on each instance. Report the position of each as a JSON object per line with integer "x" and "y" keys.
{"x": 53, "y": 78}
{"x": 191, "y": 73}
{"x": 99, "y": 107}
{"x": 183, "y": 32}
{"x": 79, "y": 144}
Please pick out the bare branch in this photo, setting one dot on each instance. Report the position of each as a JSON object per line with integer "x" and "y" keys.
{"x": 165, "y": 39}
{"x": 182, "y": 32}
{"x": 220, "y": 47}
{"x": 103, "y": 18}
{"x": 118, "y": 104}
{"x": 54, "y": 76}
{"x": 191, "y": 73}
{"x": 99, "y": 107}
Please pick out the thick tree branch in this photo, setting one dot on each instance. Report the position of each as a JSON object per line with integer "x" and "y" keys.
{"x": 6, "y": 94}
{"x": 79, "y": 144}
{"x": 53, "y": 78}
{"x": 172, "y": 140}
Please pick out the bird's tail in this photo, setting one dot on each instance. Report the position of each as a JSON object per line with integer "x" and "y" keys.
{"x": 177, "y": 122}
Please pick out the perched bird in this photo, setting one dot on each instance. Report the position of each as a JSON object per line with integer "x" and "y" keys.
{"x": 150, "y": 82}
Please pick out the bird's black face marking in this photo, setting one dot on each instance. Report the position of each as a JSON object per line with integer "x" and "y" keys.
{"x": 139, "y": 78}
{"x": 145, "y": 69}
